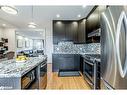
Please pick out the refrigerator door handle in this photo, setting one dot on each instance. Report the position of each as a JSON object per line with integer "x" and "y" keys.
{"x": 122, "y": 18}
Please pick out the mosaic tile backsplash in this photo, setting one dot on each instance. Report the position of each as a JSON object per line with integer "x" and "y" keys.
{"x": 69, "y": 47}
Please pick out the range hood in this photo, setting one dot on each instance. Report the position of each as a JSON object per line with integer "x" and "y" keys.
{"x": 95, "y": 33}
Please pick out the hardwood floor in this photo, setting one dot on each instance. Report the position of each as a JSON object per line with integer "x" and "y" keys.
{"x": 68, "y": 83}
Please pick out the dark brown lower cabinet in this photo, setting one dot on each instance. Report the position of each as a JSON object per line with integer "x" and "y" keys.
{"x": 81, "y": 64}
{"x": 65, "y": 62}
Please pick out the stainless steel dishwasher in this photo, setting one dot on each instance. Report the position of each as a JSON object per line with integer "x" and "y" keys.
{"x": 43, "y": 75}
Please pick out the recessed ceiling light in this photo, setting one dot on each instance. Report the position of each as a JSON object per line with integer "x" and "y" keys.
{"x": 9, "y": 9}
{"x": 20, "y": 37}
{"x": 75, "y": 22}
{"x": 58, "y": 15}
{"x": 83, "y": 6}
{"x": 84, "y": 20}
{"x": 26, "y": 39}
{"x": 59, "y": 22}
{"x": 3, "y": 25}
{"x": 79, "y": 15}
{"x": 32, "y": 25}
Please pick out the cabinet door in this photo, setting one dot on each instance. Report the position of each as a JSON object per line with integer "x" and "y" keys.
{"x": 82, "y": 31}
{"x": 65, "y": 31}
{"x": 63, "y": 62}
{"x": 58, "y": 32}
{"x": 67, "y": 62}
{"x": 81, "y": 64}
{"x": 74, "y": 29}
{"x": 77, "y": 62}
{"x": 68, "y": 32}
{"x": 71, "y": 31}
{"x": 55, "y": 63}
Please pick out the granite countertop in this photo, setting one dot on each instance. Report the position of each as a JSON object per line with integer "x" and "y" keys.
{"x": 73, "y": 53}
{"x": 70, "y": 53}
{"x": 11, "y": 68}
{"x": 65, "y": 53}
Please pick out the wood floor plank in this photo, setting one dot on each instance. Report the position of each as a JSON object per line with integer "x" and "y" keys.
{"x": 65, "y": 83}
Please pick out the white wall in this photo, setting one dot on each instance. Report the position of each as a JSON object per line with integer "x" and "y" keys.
{"x": 1, "y": 33}
{"x": 10, "y": 34}
{"x": 38, "y": 44}
{"x": 49, "y": 42}
{"x": 23, "y": 39}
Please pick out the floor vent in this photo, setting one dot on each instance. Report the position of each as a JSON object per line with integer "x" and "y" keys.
{"x": 68, "y": 73}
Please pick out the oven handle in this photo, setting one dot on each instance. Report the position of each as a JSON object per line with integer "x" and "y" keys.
{"x": 88, "y": 62}
{"x": 89, "y": 82}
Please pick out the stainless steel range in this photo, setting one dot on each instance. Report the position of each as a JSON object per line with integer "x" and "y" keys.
{"x": 91, "y": 70}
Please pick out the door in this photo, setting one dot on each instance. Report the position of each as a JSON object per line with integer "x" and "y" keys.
{"x": 113, "y": 42}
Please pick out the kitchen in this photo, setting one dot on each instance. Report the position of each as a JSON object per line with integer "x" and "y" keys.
{"x": 64, "y": 47}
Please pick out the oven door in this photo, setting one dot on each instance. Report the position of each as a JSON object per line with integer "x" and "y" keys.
{"x": 43, "y": 76}
{"x": 88, "y": 72}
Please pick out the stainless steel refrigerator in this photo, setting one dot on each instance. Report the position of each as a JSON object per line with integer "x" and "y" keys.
{"x": 113, "y": 23}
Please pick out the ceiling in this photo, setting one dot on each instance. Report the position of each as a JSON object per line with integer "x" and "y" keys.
{"x": 38, "y": 34}
{"x": 43, "y": 15}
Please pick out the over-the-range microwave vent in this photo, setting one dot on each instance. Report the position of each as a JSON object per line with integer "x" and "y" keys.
{"x": 95, "y": 33}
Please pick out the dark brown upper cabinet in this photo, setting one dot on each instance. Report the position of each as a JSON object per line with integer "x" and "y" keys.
{"x": 71, "y": 31}
{"x": 93, "y": 23}
{"x": 82, "y": 31}
{"x": 59, "y": 29}
{"x": 65, "y": 31}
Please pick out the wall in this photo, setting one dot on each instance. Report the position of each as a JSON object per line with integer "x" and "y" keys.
{"x": 70, "y": 48}
{"x": 24, "y": 39}
{"x": 38, "y": 44}
{"x": 10, "y": 35}
{"x": 1, "y": 33}
{"x": 49, "y": 42}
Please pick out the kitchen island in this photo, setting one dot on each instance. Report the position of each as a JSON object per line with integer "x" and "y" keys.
{"x": 21, "y": 75}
